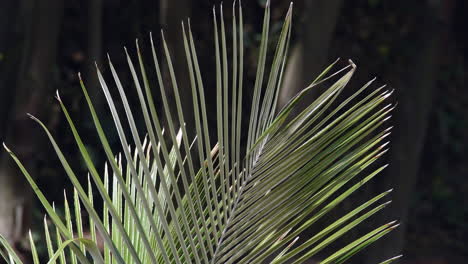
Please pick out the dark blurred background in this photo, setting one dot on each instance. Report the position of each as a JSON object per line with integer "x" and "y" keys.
{"x": 418, "y": 47}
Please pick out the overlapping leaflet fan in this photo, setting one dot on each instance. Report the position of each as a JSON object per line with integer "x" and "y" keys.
{"x": 178, "y": 196}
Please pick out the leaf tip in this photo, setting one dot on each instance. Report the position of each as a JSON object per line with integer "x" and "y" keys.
{"x": 6, "y": 148}
{"x": 151, "y": 38}
{"x": 137, "y": 45}
{"x": 397, "y": 257}
{"x": 293, "y": 242}
{"x": 385, "y": 144}
{"x": 31, "y": 116}
{"x": 163, "y": 37}
{"x": 389, "y": 93}
{"x": 57, "y": 96}
{"x": 380, "y": 154}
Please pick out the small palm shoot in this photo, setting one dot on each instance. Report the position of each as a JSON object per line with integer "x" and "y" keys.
{"x": 178, "y": 196}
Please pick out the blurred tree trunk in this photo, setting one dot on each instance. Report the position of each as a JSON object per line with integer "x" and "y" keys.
{"x": 414, "y": 92}
{"x": 309, "y": 54}
{"x": 94, "y": 50}
{"x": 172, "y": 13}
{"x": 40, "y": 22}
{"x": 11, "y": 41}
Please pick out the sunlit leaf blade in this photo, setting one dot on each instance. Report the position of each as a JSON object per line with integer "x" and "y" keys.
{"x": 388, "y": 261}
{"x": 341, "y": 255}
{"x": 245, "y": 195}
{"x": 34, "y": 253}
{"x": 48, "y": 207}
{"x": 10, "y": 255}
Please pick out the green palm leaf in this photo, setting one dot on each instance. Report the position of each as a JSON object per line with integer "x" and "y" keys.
{"x": 179, "y": 196}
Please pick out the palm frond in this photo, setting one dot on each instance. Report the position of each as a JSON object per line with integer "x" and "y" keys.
{"x": 179, "y": 196}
